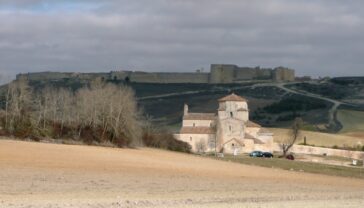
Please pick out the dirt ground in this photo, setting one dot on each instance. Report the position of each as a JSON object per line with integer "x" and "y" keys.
{"x": 50, "y": 175}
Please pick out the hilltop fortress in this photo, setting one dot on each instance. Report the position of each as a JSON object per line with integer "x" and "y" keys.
{"x": 219, "y": 74}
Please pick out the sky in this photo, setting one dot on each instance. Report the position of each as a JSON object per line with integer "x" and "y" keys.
{"x": 314, "y": 37}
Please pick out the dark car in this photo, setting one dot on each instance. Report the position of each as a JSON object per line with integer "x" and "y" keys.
{"x": 256, "y": 154}
{"x": 290, "y": 157}
{"x": 267, "y": 154}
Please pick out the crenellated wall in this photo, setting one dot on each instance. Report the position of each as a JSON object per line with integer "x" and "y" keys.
{"x": 219, "y": 74}
{"x": 226, "y": 73}
{"x": 39, "y": 76}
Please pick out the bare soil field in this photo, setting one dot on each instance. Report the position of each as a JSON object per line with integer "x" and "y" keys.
{"x": 356, "y": 134}
{"x": 51, "y": 175}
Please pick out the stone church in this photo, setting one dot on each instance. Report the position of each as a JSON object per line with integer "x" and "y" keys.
{"x": 228, "y": 131}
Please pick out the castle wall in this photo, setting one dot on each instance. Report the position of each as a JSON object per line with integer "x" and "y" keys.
{"x": 283, "y": 74}
{"x": 160, "y": 77}
{"x": 222, "y": 73}
{"x": 226, "y": 73}
{"x": 265, "y": 74}
{"x": 41, "y": 76}
{"x": 245, "y": 73}
{"x": 219, "y": 74}
{"x": 91, "y": 76}
{"x": 169, "y": 77}
{"x": 38, "y": 76}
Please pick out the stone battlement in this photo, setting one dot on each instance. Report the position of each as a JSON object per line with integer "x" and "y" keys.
{"x": 219, "y": 73}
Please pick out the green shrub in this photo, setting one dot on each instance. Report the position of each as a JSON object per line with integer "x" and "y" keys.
{"x": 294, "y": 104}
{"x": 165, "y": 141}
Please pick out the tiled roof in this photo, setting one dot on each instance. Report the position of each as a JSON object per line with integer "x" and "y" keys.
{"x": 242, "y": 109}
{"x": 236, "y": 140}
{"x": 196, "y": 130}
{"x": 248, "y": 136}
{"x": 252, "y": 124}
{"x": 199, "y": 116}
{"x": 256, "y": 140}
{"x": 232, "y": 97}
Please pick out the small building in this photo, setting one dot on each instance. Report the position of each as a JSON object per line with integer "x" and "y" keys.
{"x": 227, "y": 131}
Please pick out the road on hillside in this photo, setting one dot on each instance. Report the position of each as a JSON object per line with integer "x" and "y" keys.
{"x": 220, "y": 89}
{"x": 335, "y": 103}
{"x": 332, "y": 112}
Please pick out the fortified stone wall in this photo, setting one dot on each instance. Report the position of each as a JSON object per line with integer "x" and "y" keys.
{"x": 226, "y": 73}
{"x": 219, "y": 74}
{"x": 41, "y": 76}
{"x": 283, "y": 74}
{"x": 222, "y": 73}
{"x": 160, "y": 77}
{"x": 245, "y": 73}
{"x": 169, "y": 77}
{"x": 91, "y": 76}
{"x": 264, "y": 74}
{"x": 38, "y": 76}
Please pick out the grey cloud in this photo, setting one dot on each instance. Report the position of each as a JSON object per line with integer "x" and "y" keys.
{"x": 314, "y": 37}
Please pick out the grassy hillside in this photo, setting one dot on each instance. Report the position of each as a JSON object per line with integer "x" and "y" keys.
{"x": 352, "y": 121}
{"x": 163, "y": 103}
{"x": 269, "y": 106}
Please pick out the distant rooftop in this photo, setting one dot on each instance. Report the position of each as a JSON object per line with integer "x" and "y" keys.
{"x": 199, "y": 116}
{"x": 232, "y": 97}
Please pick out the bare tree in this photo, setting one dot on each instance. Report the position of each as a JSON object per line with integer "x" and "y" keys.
{"x": 17, "y": 105}
{"x": 294, "y": 134}
{"x": 111, "y": 108}
{"x": 110, "y": 112}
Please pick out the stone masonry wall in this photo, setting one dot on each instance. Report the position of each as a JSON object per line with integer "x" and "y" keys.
{"x": 302, "y": 149}
{"x": 219, "y": 74}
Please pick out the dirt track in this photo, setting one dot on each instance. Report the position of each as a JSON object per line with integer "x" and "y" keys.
{"x": 50, "y": 175}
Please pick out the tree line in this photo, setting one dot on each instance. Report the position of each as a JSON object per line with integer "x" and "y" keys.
{"x": 100, "y": 112}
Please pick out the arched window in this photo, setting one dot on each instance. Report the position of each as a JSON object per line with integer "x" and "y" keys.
{"x": 230, "y": 128}
{"x": 191, "y": 139}
{"x": 194, "y": 124}
{"x": 231, "y": 114}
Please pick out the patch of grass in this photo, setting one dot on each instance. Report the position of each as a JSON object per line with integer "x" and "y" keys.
{"x": 318, "y": 138}
{"x": 351, "y": 120}
{"x": 299, "y": 166}
{"x": 330, "y": 90}
{"x": 294, "y": 104}
{"x": 309, "y": 127}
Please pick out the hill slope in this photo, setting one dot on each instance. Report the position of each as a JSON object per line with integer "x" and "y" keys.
{"x": 50, "y": 175}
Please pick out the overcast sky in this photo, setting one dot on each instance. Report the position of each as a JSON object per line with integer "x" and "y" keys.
{"x": 316, "y": 38}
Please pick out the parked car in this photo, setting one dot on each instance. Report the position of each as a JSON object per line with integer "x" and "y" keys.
{"x": 256, "y": 154}
{"x": 267, "y": 154}
{"x": 290, "y": 157}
